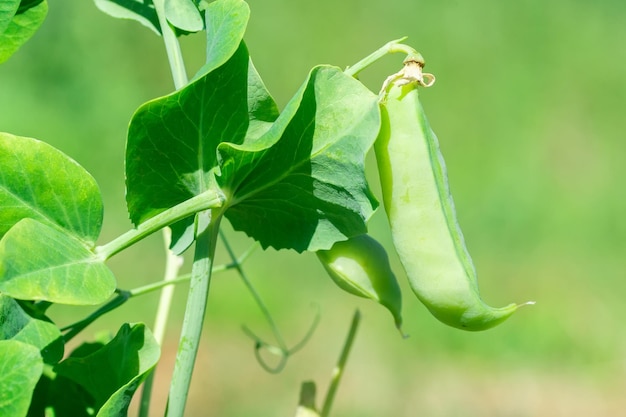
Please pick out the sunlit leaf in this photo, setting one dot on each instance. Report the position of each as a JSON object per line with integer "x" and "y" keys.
{"x": 40, "y": 182}
{"x": 184, "y": 14}
{"x": 20, "y": 28}
{"x": 302, "y": 184}
{"x": 20, "y": 368}
{"x": 8, "y": 8}
{"x": 262, "y": 111}
{"x": 171, "y": 148}
{"x": 40, "y": 262}
{"x": 226, "y": 22}
{"x": 15, "y": 324}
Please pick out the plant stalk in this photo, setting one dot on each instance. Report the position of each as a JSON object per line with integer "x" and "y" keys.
{"x": 206, "y": 241}
{"x": 341, "y": 364}
{"x": 172, "y": 47}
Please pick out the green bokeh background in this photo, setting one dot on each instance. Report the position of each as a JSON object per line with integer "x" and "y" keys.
{"x": 529, "y": 108}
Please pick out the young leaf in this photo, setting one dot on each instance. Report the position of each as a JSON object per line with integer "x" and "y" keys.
{"x": 226, "y": 22}
{"x": 142, "y": 11}
{"x": 40, "y": 182}
{"x": 17, "y": 325}
{"x": 302, "y": 184}
{"x": 20, "y": 369}
{"x": 171, "y": 147}
{"x": 22, "y": 26}
{"x": 8, "y": 8}
{"x": 112, "y": 374}
{"x": 40, "y": 262}
{"x": 184, "y": 14}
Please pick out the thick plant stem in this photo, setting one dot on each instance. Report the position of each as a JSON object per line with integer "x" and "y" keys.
{"x": 172, "y": 261}
{"x": 206, "y": 241}
{"x": 173, "y": 264}
{"x": 341, "y": 364}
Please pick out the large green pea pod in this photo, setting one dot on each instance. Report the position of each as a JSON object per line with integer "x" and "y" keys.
{"x": 420, "y": 209}
{"x": 360, "y": 266}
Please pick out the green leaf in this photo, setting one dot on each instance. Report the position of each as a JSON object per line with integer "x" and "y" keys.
{"x": 17, "y": 325}
{"x": 113, "y": 373}
{"x": 142, "y": 11}
{"x": 171, "y": 148}
{"x": 41, "y": 262}
{"x": 262, "y": 108}
{"x": 22, "y": 26}
{"x": 302, "y": 184}
{"x": 184, "y": 14}
{"x": 226, "y": 22}
{"x": 40, "y": 182}
{"x": 262, "y": 111}
{"x": 57, "y": 396}
{"x": 20, "y": 369}
{"x": 8, "y": 8}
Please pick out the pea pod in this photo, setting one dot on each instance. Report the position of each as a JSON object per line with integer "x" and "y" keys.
{"x": 360, "y": 266}
{"x": 420, "y": 209}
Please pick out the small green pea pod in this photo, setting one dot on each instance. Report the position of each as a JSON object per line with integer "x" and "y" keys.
{"x": 360, "y": 266}
{"x": 421, "y": 212}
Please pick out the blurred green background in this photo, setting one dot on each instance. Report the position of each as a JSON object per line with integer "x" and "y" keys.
{"x": 529, "y": 107}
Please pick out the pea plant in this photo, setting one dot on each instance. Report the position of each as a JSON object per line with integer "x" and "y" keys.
{"x": 218, "y": 148}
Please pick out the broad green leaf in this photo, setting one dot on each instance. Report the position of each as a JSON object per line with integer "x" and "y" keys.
{"x": 262, "y": 111}
{"x": 171, "y": 148}
{"x": 302, "y": 184}
{"x": 8, "y": 8}
{"x": 40, "y": 182}
{"x": 20, "y": 369}
{"x": 113, "y": 373}
{"x": 226, "y": 22}
{"x": 17, "y": 325}
{"x": 184, "y": 14}
{"x": 141, "y": 11}
{"x": 22, "y": 26}
{"x": 40, "y": 262}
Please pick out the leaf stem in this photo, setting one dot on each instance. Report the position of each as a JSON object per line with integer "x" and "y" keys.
{"x": 206, "y": 241}
{"x": 341, "y": 364}
{"x": 207, "y": 200}
{"x": 388, "y": 48}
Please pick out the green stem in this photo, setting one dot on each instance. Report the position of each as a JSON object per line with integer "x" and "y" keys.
{"x": 125, "y": 295}
{"x": 205, "y": 201}
{"x": 388, "y": 48}
{"x": 79, "y": 326}
{"x": 173, "y": 263}
{"x": 206, "y": 241}
{"x": 172, "y": 47}
{"x": 341, "y": 364}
